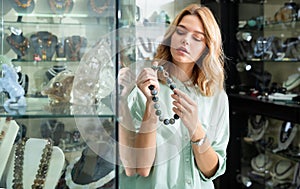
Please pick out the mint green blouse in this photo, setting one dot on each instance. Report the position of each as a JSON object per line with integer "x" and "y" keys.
{"x": 174, "y": 166}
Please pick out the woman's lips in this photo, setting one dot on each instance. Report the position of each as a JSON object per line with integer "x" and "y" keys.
{"x": 182, "y": 50}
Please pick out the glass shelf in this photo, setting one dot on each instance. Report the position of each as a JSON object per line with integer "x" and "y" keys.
{"x": 41, "y": 108}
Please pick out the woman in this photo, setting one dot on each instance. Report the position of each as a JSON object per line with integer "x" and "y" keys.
{"x": 188, "y": 150}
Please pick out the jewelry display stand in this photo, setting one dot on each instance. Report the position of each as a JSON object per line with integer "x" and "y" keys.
{"x": 61, "y": 6}
{"x": 23, "y": 6}
{"x": 10, "y": 130}
{"x": 32, "y": 154}
{"x": 90, "y": 170}
{"x": 19, "y": 44}
{"x": 286, "y": 136}
{"x": 44, "y": 44}
{"x": 99, "y": 8}
{"x": 75, "y": 47}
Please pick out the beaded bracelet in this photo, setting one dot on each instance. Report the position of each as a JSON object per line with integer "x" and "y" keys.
{"x": 155, "y": 99}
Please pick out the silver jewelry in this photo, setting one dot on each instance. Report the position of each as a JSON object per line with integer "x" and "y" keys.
{"x": 200, "y": 142}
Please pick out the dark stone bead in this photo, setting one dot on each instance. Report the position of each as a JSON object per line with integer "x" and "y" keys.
{"x": 172, "y": 86}
{"x": 154, "y": 92}
{"x": 166, "y": 122}
{"x": 172, "y": 121}
{"x": 160, "y": 68}
{"x": 176, "y": 116}
{"x": 151, "y": 87}
{"x": 158, "y": 112}
{"x": 155, "y": 99}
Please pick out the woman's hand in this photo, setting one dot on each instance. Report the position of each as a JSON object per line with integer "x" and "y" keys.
{"x": 126, "y": 81}
{"x": 148, "y": 77}
{"x": 186, "y": 109}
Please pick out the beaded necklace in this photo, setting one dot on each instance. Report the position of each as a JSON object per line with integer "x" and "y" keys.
{"x": 74, "y": 48}
{"x": 155, "y": 99}
{"x": 99, "y": 9}
{"x": 23, "y": 5}
{"x": 60, "y": 5}
{"x": 40, "y": 177}
{"x": 22, "y": 47}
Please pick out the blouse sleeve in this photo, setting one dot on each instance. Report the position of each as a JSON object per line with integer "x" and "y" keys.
{"x": 218, "y": 132}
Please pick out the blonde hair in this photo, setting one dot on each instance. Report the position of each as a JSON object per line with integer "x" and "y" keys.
{"x": 208, "y": 71}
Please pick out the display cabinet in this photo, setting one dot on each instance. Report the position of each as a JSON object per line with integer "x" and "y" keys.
{"x": 58, "y": 94}
{"x": 264, "y": 102}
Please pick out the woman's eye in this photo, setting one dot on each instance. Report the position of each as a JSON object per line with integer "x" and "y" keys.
{"x": 196, "y": 38}
{"x": 180, "y": 31}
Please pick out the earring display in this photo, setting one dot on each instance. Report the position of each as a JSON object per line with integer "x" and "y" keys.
{"x": 44, "y": 45}
{"x": 23, "y": 6}
{"x": 61, "y": 6}
{"x": 75, "y": 47}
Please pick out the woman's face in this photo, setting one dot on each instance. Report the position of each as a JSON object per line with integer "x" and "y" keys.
{"x": 188, "y": 40}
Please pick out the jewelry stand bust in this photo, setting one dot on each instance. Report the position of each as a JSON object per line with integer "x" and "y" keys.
{"x": 44, "y": 45}
{"x": 61, "y": 6}
{"x": 286, "y": 135}
{"x": 9, "y": 130}
{"x": 19, "y": 44}
{"x": 32, "y": 154}
{"x": 91, "y": 170}
{"x": 23, "y": 6}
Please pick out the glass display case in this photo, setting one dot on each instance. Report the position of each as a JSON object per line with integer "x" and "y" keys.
{"x": 58, "y": 111}
{"x": 264, "y": 105}
{"x": 59, "y": 92}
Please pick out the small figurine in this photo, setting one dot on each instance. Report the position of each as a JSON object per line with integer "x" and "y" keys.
{"x": 9, "y": 83}
{"x": 59, "y": 88}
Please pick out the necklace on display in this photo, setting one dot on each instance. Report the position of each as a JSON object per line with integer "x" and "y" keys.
{"x": 19, "y": 47}
{"x": 99, "y": 9}
{"x": 40, "y": 177}
{"x": 23, "y": 5}
{"x": 52, "y": 128}
{"x": 60, "y": 5}
{"x": 155, "y": 98}
{"x": 75, "y": 46}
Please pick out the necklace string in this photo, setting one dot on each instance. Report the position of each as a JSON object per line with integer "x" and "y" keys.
{"x": 98, "y": 9}
{"x": 40, "y": 177}
{"x": 155, "y": 98}
{"x": 23, "y": 5}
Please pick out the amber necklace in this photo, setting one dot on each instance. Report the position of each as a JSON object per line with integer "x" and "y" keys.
{"x": 60, "y": 4}
{"x": 21, "y": 46}
{"x": 99, "y": 9}
{"x": 41, "y": 42}
{"x": 74, "y": 48}
{"x": 40, "y": 177}
{"x": 23, "y": 5}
